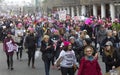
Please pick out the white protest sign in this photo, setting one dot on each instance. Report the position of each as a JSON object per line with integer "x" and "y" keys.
{"x": 62, "y": 15}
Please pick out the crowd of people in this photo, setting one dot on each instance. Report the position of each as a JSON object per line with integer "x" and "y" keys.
{"x": 69, "y": 44}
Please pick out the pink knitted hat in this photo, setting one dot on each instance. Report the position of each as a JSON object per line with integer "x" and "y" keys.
{"x": 56, "y": 31}
{"x": 66, "y": 43}
{"x": 31, "y": 29}
{"x": 19, "y": 25}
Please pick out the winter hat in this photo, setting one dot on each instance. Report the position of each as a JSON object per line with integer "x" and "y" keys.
{"x": 72, "y": 37}
{"x": 66, "y": 43}
{"x": 19, "y": 25}
{"x": 11, "y": 24}
{"x": 56, "y": 31}
{"x": 109, "y": 43}
{"x": 3, "y": 27}
{"x": 100, "y": 21}
{"x": 85, "y": 30}
{"x": 31, "y": 29}
{"x": 88, "y": 21}
{"x": 116, "y": 20}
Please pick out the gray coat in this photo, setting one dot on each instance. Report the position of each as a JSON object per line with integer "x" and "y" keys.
{"x": 101, "y": 35}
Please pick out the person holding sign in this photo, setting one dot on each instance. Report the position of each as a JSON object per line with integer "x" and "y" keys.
{"x": 9, "y": 47}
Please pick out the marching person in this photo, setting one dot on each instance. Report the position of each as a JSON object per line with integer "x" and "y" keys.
{"x": 56, "y": 43}
{"x": 117, "y": 39}
{"x": 19, "y": 40}
{"x": 101, "y": 35}
{"x": 89, "y": 63}
{"x": 47, "y": 50}
{"x": 110, "y": 56}
{"x": 31, "y": 44}
{"x": 75, "y": 47}
{"x": 9, "y": 46}
{"x": 67, "y": 60}
{"x": 110, "y": 38}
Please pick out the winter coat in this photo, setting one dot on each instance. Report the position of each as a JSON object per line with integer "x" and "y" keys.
{"x": 47, "y": 54}
{"x": 106, "y": 40}
{"x": 30, "y": 41}
{"x": 5, "y": 46}
{"x": 78, "y": 52}
{"x": 101, "y": 35}
{"x": 89, "y": 30}
{"x": 88, "y": 67}
{"x": 110, "y": 60}
{"x": 117, "y": 40}
{"x": 79, "y": 42}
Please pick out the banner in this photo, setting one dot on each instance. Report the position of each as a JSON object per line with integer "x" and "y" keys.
{"x": 62, "y": 15}
{"x": 11, "y": 47}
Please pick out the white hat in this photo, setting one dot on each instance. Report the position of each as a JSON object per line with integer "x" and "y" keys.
{"x": 85, "y": 30}
{"x": 11, "y": 24}
{"x": 4, "y": 27}
{"x": 109, "y": 43}
{"x": 72, "y": 37}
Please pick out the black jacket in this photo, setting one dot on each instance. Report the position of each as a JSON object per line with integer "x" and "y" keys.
{"x": 106, "y": 40}
{"x": 31, "y": 41}
{"x": 47, "y": 54}
{"x": 110, "y": 61}
{"x": 44, "y": 45}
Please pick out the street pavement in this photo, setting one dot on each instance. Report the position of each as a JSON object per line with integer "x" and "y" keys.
{"x": 21, "y": 67}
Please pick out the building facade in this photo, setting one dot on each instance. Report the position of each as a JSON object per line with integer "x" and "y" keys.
{"x": 102, "y": 8}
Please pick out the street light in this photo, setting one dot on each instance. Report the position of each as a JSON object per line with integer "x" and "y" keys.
{"x": 36, "y": 5}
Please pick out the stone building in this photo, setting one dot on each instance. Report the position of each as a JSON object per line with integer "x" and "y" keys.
{"x": 103, "y": 8}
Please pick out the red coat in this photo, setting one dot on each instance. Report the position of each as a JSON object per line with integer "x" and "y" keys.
{"x": 89, "y": 67}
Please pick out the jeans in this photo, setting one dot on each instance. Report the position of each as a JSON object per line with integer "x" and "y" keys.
{"x": 67, "y": 71}
{"x": 9, "y": 61}
{"x": 47, "y": 67}
{"x": 39, "y": 42}
{"x": 19, "y": 53}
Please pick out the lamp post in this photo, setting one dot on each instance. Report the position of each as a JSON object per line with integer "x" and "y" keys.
{"x": 36, "y": 5}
